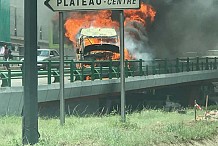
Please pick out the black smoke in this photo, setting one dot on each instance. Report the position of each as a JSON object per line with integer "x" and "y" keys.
{"x": 183, "y": 26}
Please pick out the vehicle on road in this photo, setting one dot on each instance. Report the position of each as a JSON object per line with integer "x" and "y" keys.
{"x": 46, "y": 55}
{"x": 191, "y": 55}
{"x": 97, "y": 44}
{"x": 211, "y": 54}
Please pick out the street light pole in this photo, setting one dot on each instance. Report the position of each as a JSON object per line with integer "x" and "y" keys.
{"x": 15, "y": 21}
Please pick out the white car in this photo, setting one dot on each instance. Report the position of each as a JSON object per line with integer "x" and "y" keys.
{"x": 45, "y": 55}
{"x": 211, "y": 54}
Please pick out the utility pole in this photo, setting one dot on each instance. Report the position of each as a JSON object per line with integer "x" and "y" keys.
{"x": 15, "y": 21}
{"x": 30, "y": 109}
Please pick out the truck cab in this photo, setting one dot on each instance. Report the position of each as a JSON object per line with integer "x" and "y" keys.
{"x": 97, "y": 44}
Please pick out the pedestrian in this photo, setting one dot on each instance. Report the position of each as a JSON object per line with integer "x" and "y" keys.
{"x": 7, "y": 53}
{"x": 2, "y": 50}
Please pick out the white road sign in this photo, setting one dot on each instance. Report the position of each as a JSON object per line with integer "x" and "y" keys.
{"x": 69, "y": 5}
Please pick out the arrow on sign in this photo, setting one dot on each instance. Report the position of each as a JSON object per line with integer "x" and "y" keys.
{"x": 69, "y": 5}
{"x": 47, "y": 4}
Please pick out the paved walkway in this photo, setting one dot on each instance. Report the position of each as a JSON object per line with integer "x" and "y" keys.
{"x": 41, "y": 81}
{"x": 18, "y": 82}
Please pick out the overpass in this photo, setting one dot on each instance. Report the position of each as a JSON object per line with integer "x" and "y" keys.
{"x": 90, "y": 96}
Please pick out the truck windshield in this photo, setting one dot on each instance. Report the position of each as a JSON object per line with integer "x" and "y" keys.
{"x": 107, "y": 40}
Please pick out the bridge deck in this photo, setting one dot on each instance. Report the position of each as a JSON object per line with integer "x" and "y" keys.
{"x": 11, "y": 97}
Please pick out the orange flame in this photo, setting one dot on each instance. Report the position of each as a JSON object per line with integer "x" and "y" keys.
{"x": 140, "y": 15}
{"x": 85, "y": 20}
{"x": 103, "y": 18}
{"x": 127, "y": 56}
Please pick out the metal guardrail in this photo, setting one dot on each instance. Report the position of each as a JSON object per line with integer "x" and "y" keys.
{"x": 18, "y": 57}
{"x": 92, "y": 70}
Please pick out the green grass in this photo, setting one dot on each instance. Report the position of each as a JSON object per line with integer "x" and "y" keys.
{"x": 145, "y": 128}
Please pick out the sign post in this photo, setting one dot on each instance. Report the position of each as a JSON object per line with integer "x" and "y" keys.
{"x": 122, "y": 67}
{"x": 61, "y": 50}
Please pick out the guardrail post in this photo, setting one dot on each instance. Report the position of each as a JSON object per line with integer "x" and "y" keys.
{"x": 207, "y": 65}
{"x": 110, "y": 69}
{"x": 202, "y": 65}
{"x": 140, "y": 67}
{"x": 9, "y": 77}
{"x": 22, "y": 76}
{"x": 215, "y": 65}
{"x": 82, "y": 70}
{"x": 159, "y": 68}
{"x": 49, "y": 71}
{"x": 197, "y": 64}
{"x": 182, "y": 66}
{"x": 118, "y": 71}
{"x": 187, "y": 65}
{"x": 147, "y": 70}
{"x": 92, "y": 71}
{"x": 211, "y": 65}
{"x": 171, "y": 67}
{"x": 177, "y": 65}
{"x": 165, "y": 66}
{"x": 126, "y": 69}
{"x": 71, "y": 71}
{"x": 153, "y": 68}
{"x": 101, "y": 72}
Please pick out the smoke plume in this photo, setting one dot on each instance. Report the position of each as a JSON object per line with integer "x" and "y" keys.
{"x": 183, "y": 26}
{"x": 136, "y": 41}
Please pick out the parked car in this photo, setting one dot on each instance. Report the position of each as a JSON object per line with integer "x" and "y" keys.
{"x": 211, "y": 54}
{"x": 191, "y": 55}
{"x": 45, "y": 55}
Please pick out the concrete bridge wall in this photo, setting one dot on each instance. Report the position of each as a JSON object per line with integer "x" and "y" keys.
{"x": 87, "y": 94}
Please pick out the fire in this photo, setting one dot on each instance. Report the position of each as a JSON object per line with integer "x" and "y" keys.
{"x": 92, "y": 41}
{"x": 85, "y": 20}
{"x": 78, "y": 20}
{"x": 140, "y": 15}
{"x": 116, "y": 56}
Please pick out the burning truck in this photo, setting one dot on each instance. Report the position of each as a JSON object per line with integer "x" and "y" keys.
{"x": 98, "y": 44}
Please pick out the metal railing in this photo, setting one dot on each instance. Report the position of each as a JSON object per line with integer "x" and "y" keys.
{"x": 18, "y": 57}
{"x": 108, "y": 69}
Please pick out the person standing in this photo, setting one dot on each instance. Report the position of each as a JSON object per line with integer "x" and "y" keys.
{"x": 2, "y": 50}
{"x": 7, "y": 53}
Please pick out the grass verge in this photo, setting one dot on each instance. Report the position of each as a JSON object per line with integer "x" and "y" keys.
{"x": 145, "y": 128}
